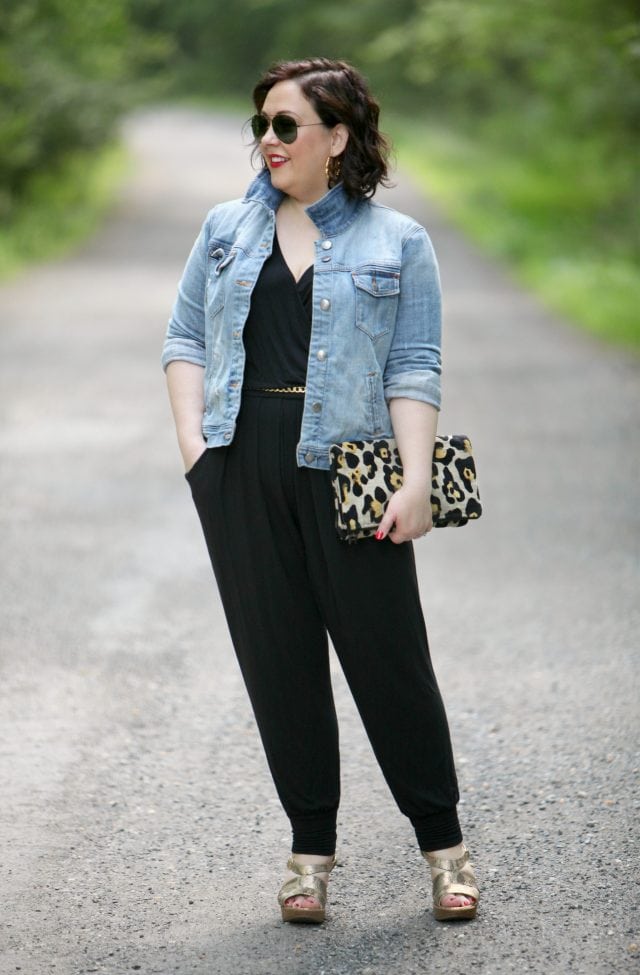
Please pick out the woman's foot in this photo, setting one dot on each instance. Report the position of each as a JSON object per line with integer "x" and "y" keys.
{"x": 303, "y": 895}
{"x": 455, "y": 894}
{"x": 306, "y": 859}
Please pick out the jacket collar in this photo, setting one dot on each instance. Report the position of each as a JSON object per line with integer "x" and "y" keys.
{"x": 331, "y": 214}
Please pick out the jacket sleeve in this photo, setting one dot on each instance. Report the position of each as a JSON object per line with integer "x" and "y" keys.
{"x": 413, "y": 366}
{"x": 185, "y": 338}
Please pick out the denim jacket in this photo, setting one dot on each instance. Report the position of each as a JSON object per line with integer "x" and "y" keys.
{"x": 375, "y": 331}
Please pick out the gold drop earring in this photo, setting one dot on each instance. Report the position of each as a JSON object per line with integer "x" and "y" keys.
{"x": 332, "y": 169}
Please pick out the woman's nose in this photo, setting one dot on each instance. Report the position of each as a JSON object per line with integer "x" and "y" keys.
{"x": 269, "y": 135}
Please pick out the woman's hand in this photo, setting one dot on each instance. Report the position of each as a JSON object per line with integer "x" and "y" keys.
{"x": 408, "y": 514}
{"x": 192, "y": 452}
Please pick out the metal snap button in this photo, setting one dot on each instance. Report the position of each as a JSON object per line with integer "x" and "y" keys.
{"x": 309, "y": 457}
{"x": 321, "y": 355}
{"x": 316, "y": 407}
{"x": 326, "y": 245}
{"x": 325, "y": 304}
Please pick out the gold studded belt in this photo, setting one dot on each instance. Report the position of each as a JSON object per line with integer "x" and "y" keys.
{"x": 283, "y": 389}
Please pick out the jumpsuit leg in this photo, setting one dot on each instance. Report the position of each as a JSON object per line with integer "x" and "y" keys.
{"x": 245, "y": 498}
{"x": 369, "y": 598}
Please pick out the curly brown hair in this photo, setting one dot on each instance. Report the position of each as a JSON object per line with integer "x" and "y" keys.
{"x": 339, "y": 93}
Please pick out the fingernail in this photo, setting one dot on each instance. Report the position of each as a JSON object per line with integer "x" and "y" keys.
{"x": 379, "y": 534}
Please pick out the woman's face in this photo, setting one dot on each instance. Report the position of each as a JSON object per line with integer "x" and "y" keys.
{"x": 298, "y": 169}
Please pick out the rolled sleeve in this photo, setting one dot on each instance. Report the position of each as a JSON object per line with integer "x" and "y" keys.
{"x": 185, "y": 337}
{"x": 414, "y": 364}
{"x": 423, "y": 386}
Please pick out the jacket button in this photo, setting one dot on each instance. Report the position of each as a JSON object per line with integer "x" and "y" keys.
{"x": 237, "y": 333}
{"x": 227, "y": 436}
{"x": 325, "y": 260}
{"x": 325, "y": 304}
{"x": 321, "y": 355}
{"x": 309, "y": 457}
{"x": 326, "y": 245}
{"x": 316, "y": 407}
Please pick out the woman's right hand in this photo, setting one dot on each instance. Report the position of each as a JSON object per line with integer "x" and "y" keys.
{"x": 408, "y": 515}
{"x": 192, "y": 452}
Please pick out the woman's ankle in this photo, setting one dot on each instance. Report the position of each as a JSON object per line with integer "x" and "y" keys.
{"x": 312, "y": 858}
{"x": 448, "y": 852}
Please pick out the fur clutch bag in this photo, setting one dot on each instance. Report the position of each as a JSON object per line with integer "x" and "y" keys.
{"x": 365, "y": 473}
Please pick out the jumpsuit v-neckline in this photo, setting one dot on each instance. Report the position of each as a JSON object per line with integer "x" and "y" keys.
{"x": 277, "y": 332}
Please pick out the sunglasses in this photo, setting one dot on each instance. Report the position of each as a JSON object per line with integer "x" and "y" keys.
{"x": 285, "y": 128}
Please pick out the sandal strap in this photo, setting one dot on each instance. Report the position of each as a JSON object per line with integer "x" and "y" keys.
{"x": 308, "y": 869}
{"x": 449, "y": 865}
{"x": 304, "y": 887}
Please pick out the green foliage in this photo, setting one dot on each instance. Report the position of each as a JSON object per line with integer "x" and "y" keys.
{"x": 66, "y": 74}
{"x": 561, "y": 228}
{"x": 61, "y": 64}
{"x": 573, "y": 61}
{"x": 61, "y": 206}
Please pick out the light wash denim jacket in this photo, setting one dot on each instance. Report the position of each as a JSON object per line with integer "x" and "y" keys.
{"x": 375, "y": 325}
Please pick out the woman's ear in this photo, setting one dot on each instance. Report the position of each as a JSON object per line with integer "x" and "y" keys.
{"x": 339, "y": 139}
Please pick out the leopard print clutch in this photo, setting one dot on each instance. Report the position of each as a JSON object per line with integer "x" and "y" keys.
{"x": 365, "y": 473}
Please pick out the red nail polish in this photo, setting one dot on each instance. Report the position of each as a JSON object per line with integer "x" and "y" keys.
{"x": 379, "y": 534}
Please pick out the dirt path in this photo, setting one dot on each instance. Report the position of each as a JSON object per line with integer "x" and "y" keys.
{"x": 138, "y": 822}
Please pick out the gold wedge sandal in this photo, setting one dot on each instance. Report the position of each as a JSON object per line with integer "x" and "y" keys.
{"x": 306, "y": 884}
{"x": 455, "y": 877}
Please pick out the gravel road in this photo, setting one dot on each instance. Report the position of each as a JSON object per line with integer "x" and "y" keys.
{"x": 138, "y": 822}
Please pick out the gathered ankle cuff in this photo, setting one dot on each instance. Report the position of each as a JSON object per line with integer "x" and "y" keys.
{"x": 438, "y": 831}
{"x": 314, "y": 833}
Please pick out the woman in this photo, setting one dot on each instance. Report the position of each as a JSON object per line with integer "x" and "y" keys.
{"x": 308, "y": 315}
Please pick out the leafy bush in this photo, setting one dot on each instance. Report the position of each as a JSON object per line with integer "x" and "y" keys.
{"x": 63, "y": 69}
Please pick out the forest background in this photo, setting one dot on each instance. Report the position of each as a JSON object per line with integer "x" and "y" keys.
{"x": 520, "y": 117}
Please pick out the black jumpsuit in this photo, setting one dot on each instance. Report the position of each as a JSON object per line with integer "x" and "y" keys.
{"x": 286, "y": 580}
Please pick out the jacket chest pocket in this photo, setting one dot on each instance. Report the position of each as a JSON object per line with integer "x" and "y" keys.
{"x": 219, "y": 258}
{"x": 377, "y": 292}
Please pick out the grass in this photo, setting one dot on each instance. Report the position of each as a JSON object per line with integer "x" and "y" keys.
{"x": 559, "y": 217}
{"x": 61, "y": 208}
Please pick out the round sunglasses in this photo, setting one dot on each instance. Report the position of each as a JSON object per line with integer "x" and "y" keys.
{"x": 285, "y": 128}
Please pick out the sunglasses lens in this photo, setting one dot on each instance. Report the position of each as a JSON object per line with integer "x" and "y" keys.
{"x": 285, "y": 128}
{"x": 259, "y": 125}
